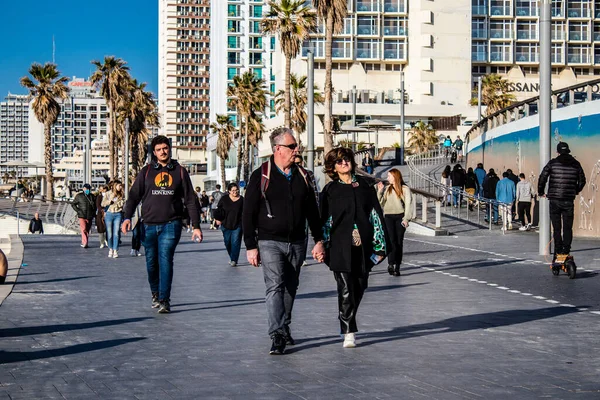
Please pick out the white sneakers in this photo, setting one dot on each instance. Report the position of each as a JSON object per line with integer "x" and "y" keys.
{"x": 102, "y": 245}
{"x": 349, "y": 341}
{"x": 113, "y": 253}
{"x": 110, "y": 253}
{"x": 132, "y": 253}
{"x": 525, "y": 227}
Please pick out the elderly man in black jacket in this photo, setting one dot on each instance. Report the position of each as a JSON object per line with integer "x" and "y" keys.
{"x": 85, "y": 206}
{"x": 565, "y": 179}
{"x": 279, "y": 201}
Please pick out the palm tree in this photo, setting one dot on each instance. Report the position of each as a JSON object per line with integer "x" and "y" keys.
{"x": 247, "y": 95}
{"x": 494, "y": 94}
{"x": 333, "y": 13}
{"x": 256, "y": 129}
{"x": 138, "y": 107}
{"x": 422, "y": 137}
{"x": 113, "y": 75}
{"x": 225, "y": 130}
{"x": 299, "y": 99}
{"x": 47, "y": 88}
{"x": 292, "y": 22}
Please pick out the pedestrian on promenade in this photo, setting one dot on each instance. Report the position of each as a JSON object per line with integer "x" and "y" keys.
{"x": 367, "y": 163}
{"x": 215, "y": 197}
{"x": 515, "y": 180}
{"x": 113, "y": 202}
{"x": 524, "y": 196}
{"x": 396, "y": 202}
{"x": 481, "y": 174}
{"x": 445, "y": 180}
{"x": 471, "y": 186}
{"x": 458, "y": 146}
{"x": 162, "y": 187}
{"x": 457, "y": 176}
{"x": 205, "y": 206}
{"x": 354, "y": 233}
{"x": 565, "y": 179}
{"x": 35, "y": 225}
{"x": 229, "y": 217}
{"x": 505, "y": 194}
{"x": 138, "y": 231}
{"x": 489, "y": 192}
{"x": 100, "y": 224}
{"x": 84, "y": 204}
{"x": 279, "y": 201}
{"x": 447, "y": 146}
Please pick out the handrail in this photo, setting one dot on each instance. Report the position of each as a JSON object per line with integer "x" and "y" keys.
{"x": 422, "y": 182}
{"x": 590, "y": 85}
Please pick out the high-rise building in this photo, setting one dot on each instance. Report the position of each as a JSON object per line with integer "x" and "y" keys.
{"x": 184, "y": 75}
{"x": 14, "y": 125}
{"x": 506, "y": 40}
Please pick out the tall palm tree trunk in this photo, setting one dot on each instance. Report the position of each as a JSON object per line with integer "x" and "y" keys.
{"x": 328, "y": 117}
{"x": 287, "y": 106}
{"x": 239, "y": 157}
{"x": 246, "y": 151}
{"x": 48, "y": 161}
{"x": 135, "y": 153}
{"x": 111, "y": 144}
{"x": 124, "y": 166}
{"x": 223, "y": 179}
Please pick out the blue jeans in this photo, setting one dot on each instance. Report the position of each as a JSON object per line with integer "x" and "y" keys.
{"x": 113, "y": 223}
{"x": 160, "y": 243}
{"x": 233, "y": 242}
{"x": 281, "y": 264}
{"x": 457, "y": 195}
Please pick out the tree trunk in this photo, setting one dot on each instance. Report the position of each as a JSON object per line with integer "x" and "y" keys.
{"x": 111, "y": 144}
{"x": 246, "y": 155}
{"x": 124, "y": 168}
{"x": 328, "y": 117}
{"x": 287, "y": 105}
{"x": 135, "y": 153}
{"x": 48, "y": 161}
{"x": 239, "y": 156}
{"x": 223, "y": 179}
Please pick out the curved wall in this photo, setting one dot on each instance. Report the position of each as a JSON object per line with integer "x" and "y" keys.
{"x": 516, "y": 146}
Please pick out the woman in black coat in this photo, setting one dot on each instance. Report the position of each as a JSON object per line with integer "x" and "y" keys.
{"x": 354, "y": 232}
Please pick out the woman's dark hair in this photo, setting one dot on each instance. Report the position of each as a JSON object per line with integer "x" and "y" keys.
{"x": 470, "y": 170}
{"x": 522, "y": 175}
{"x": 333, "y": 156}
{"x": 231, "y": 186}
{"x": 491, "y": 172}
{"x": 160, "y": 139}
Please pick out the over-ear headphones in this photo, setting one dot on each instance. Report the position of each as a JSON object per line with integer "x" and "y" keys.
{"x": 170, "y": 166}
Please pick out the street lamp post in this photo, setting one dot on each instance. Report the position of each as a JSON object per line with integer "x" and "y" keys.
{"x": 126, "y": 159}
{"x": 402, "y": 118}
{"x": 545, "y": 113}
{"x": 353, "y": 94}
{"x": 310, "y": 124}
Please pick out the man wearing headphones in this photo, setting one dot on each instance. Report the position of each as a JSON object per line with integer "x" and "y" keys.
{"x": 163, "y": 187}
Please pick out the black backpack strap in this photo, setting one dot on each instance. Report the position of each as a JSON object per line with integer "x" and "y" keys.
{"x": 265, "y": 176}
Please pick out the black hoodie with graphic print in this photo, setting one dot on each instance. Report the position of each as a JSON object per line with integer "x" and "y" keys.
{"x": 163, "y": 191}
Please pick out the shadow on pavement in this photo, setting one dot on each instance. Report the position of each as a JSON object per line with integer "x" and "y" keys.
{"x": 333, "y": 293}
{"x": 38, "y": 330}
{"x": 454, "y": 324}
{"x": 18, "y": 356}
{"x": 18, "y": 283}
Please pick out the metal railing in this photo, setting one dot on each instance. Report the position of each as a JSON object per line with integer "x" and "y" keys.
{"x": 453, "y": 201}
{"x": 51, "y": 212}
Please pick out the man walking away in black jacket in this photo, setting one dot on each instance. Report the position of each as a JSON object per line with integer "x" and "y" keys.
{"x": 84, "y": 204}
{"x": 163, "y": 187}
{"x": 279, "y": 201}
{"x": 565, "y": 179}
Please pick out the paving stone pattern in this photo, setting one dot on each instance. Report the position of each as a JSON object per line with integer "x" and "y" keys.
{"x": 79, "y": 326}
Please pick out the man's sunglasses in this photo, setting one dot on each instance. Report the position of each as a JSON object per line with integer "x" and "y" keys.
{"x": 292, "y": 146}
{"x": 342, "y": 160}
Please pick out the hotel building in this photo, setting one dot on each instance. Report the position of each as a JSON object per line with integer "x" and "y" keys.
{"x": 14, "y": 126}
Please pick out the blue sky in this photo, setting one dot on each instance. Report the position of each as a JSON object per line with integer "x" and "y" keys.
{"x": 83, "y": 30}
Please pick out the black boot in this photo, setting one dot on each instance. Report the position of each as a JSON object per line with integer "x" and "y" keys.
{"x": 397, "y": 270}
{"x": 391, "y": 269}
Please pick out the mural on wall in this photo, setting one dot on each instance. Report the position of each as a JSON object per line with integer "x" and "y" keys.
{"x": 518, "y": 149}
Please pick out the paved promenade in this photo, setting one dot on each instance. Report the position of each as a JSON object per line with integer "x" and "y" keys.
{"x": 474, "y": 316}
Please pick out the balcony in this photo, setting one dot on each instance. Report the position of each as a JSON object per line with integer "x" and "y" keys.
{"x": 500, "y": 34}
{"x": 480, "y": 10}
{"x": 527, "y": 12}
{"x": 479, "y": 56}
{"x": 578, "y": 12}
{"x": 496, "y": 56}
{"x": 479, "y": 34}
{"x": 394, "y": 31}
{"x": 557, "y": 59}
{"x": 256, "y": 61}
{"x": 578, "y": 59}
{"x": 237, "y": 60}
{"x": 558, "y": 35}
{"x": 527, "y": 57}
{"x": 367, "y": 30}
{"x": 597, "y": 59}
{"x": 394, "y": 6}
{"x": 579, "y": 36}
{"x": 500, "y": 11}
{"x": 367, "y": 6}
{"x": 527, "y": 35}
